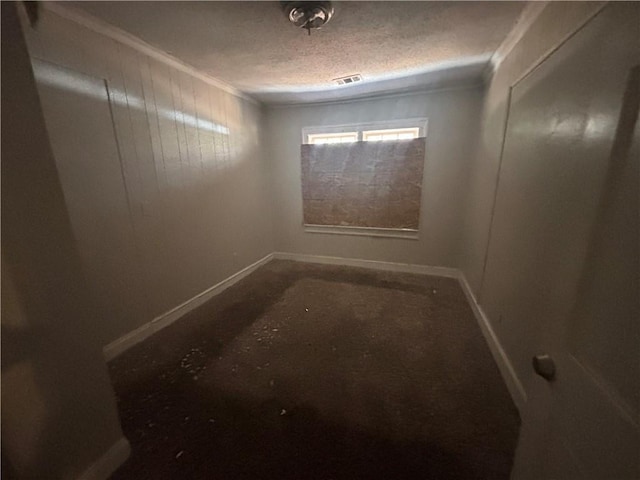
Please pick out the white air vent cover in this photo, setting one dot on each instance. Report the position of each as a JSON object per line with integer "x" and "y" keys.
{"x": 348, "y": 80}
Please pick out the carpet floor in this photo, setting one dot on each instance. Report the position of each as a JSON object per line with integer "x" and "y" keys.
{"x": 305, "y": 371}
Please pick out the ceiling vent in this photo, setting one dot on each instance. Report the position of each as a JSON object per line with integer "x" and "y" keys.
{"x": 348, "y": 80}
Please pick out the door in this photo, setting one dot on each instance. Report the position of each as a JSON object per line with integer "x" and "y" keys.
{"x": 562, "y": 264}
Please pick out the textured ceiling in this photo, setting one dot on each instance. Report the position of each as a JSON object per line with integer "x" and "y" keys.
{"x": 252, "y": 46}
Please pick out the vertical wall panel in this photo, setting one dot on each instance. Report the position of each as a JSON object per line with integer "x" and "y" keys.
{"x": 150, "y": 107}
{"x": 122, "y": 123}
{"x": 167, "y": 131}
{"x": 80, "y": 127}
{"x": 213, "y": 128}
{"x": 181, "y": 138}
{"x": 194, "y": 159}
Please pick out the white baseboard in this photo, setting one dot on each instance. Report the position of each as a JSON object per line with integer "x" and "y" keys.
{"x": 517, "y": 391}
{"x": 373, "y": 264}
{"x": 108, "y": 463}
{"x": 143, "y": 332}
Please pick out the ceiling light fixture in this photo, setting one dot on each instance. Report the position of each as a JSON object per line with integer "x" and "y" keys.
{"x": 308, "y": 15}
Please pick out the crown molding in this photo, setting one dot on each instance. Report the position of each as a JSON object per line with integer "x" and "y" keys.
{"x": 98, "y": 26}
{"x": 528, "y": 15}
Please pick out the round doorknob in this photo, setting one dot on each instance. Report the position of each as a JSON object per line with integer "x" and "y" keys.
{"x": 544, "y": 366}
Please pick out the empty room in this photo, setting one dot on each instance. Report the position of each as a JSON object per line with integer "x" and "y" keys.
{"x": 347, "y": 240}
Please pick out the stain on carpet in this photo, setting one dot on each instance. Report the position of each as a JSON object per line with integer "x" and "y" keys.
{"x": 305, "y": 371}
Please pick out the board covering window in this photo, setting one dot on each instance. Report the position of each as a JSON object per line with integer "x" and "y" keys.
{"x": 363, "y": 177}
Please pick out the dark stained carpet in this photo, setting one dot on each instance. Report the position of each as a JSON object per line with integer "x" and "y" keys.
{"x": 305, "y": 371}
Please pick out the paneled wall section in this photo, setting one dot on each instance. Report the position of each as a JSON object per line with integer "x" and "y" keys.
{"x": 194, "y": 178}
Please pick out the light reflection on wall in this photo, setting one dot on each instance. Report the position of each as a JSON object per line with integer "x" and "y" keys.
{"x": 569, "y": 127}
{"x": 216, "y": 145}
{"x": 59, "y": 77}
{"x": 599, "y": 126}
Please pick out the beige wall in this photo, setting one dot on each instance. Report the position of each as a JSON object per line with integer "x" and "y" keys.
{"x": 163, "y": 172}
{"x": 452, "y": 128}
{"x": 58, "y": 408}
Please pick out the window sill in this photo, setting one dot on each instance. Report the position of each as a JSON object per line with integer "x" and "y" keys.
{"x": 403, "y": 233}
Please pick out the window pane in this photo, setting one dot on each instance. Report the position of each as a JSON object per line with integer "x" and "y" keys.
{"x": 324, "y": 138}
{"x": 391, "y": 134}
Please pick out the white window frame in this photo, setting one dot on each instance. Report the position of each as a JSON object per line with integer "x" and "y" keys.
{"x": 307, "y": 136}
{"x": 420, "y": 123}
{"x": 313, "y": 138}
{"x": 413, "y": 132}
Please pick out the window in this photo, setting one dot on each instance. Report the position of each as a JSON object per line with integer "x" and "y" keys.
{"x": 365, "y": 136}
{"x": 366, "y": 132}
{"x": 363, "y": 179}
{"x": 390, "y": 134}
{"x": 322, "y": 138}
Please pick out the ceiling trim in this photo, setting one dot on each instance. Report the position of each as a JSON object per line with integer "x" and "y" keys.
{"x": 96, "y": 25}
{"x": 528, "y": 15}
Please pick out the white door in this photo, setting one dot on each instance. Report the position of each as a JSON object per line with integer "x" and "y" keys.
{"x": 563, "y": 254}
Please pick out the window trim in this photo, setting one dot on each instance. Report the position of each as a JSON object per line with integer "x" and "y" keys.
{"x": 421, "y": 123}
{"x": 401, "y": 233}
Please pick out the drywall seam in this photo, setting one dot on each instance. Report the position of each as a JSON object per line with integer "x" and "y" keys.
{"x": 143, "y": 332}
{"x": 108, "y": 30}
{"x": 516, "y": 389}
{"x": 102, "y": 468}
{"x": 374, "y": 264}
